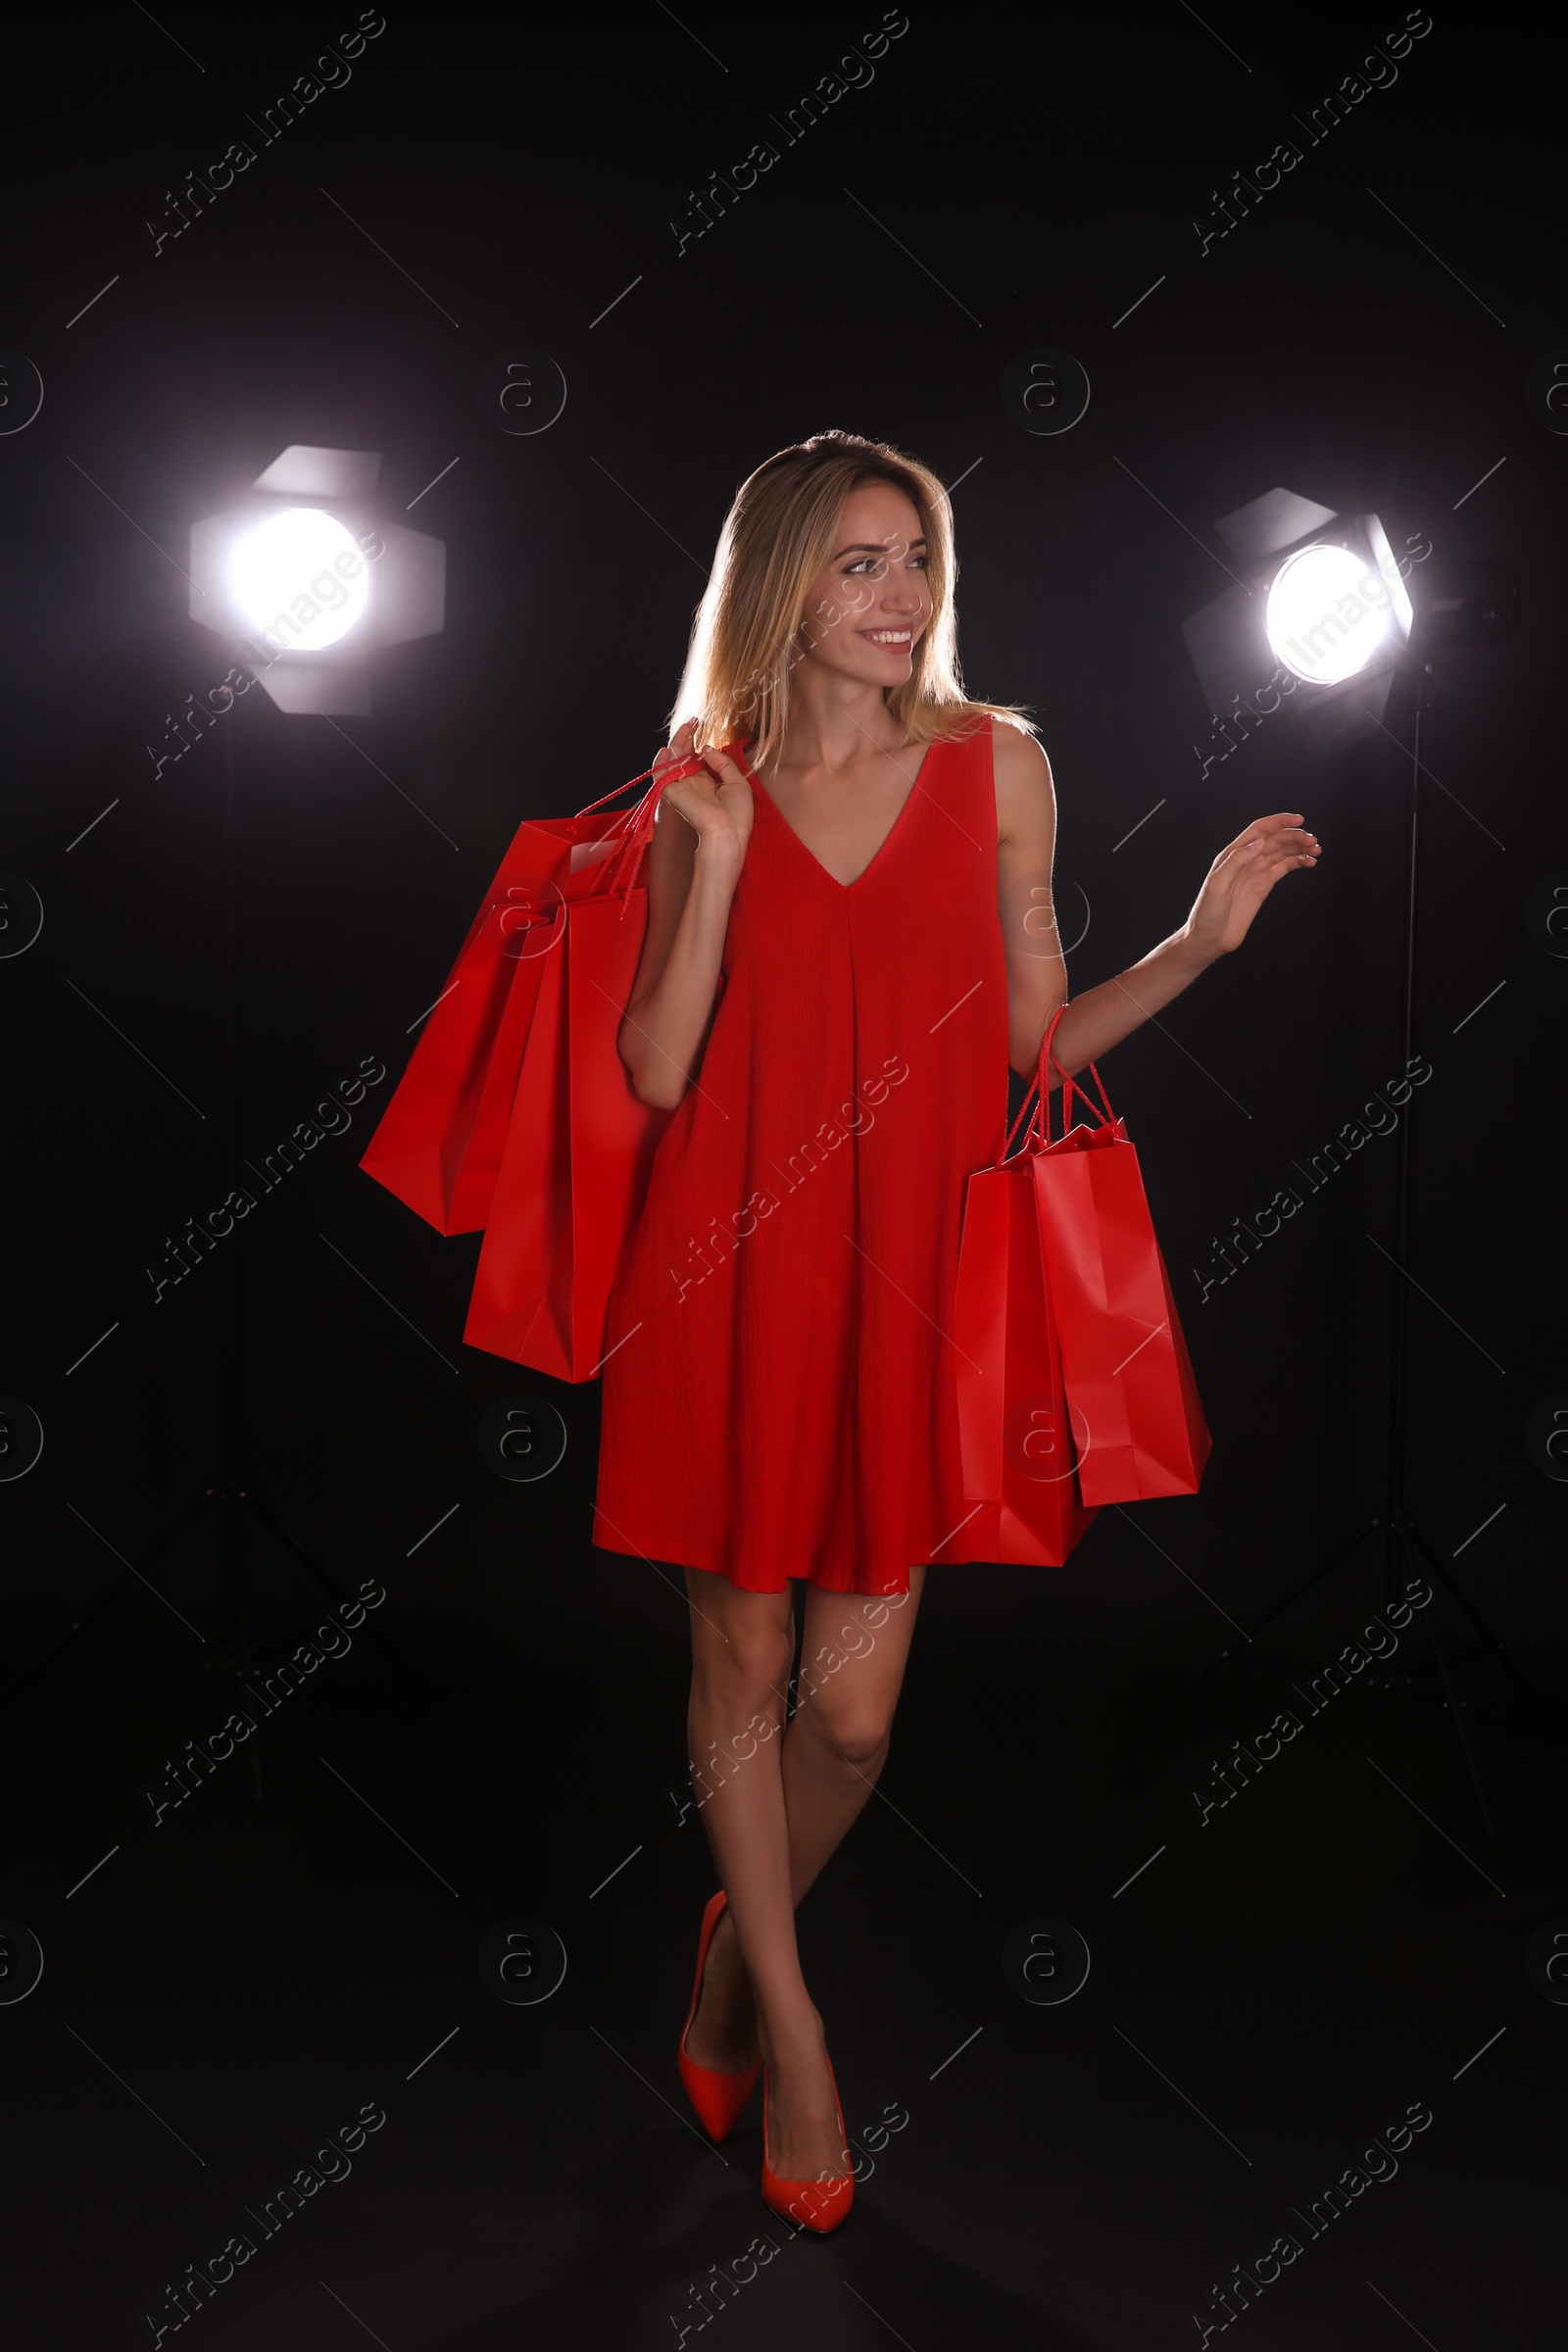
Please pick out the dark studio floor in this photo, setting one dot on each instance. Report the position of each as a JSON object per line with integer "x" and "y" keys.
{"x": 1265, "y": 1998}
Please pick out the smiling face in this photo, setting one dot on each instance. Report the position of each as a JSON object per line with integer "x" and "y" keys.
{"x": 869, "y": 606}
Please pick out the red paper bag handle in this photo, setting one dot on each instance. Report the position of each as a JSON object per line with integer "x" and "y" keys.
{"x": 1110, "y": 1117}
{"x": 637, "y": 824}
{"x": 1038, "y": 1099}
{"x": 1034, "y": 1100}
{"x": 615, "y": 795}
{"x": 622, "y": 870}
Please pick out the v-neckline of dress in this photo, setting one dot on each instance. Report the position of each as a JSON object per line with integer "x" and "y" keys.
{"x": 882, "y": 846}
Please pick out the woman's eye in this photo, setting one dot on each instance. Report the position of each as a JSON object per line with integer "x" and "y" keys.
{"x": 876, "y": 566}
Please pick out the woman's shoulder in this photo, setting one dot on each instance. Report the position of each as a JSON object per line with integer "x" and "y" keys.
{"x": 962, "y": 722}
{"x": 1026, "y": 796}
{"x": 1017, "y": 754}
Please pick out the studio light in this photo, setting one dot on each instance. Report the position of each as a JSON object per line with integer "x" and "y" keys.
{"x": 1318, "y": 600}
{"x": 306, "y": 584}
{"x": 310, "y": 581}
{"x": 304, "y": 580}
{"x": 1319, "y": 622}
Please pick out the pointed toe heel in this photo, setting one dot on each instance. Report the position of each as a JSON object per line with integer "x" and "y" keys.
{"x": 820, "y": 2205}
{"x": 718, "y": 2097}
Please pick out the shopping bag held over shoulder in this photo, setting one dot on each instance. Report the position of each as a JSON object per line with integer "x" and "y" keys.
{"x": 439, "y": 1140}
{"x": 580, "y": 1142}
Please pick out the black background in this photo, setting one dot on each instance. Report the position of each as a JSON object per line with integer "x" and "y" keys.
{"x": 1276, "y": 1988}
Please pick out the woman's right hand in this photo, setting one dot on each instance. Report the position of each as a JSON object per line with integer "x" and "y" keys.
{"x": 715, "y": 800}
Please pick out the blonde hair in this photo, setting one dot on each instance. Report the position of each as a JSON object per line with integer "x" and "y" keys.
{"x": 776, "y": 538}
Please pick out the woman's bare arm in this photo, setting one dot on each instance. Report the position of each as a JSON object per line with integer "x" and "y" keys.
{"x": 701, "y": 831}
{"x": 1236, "y": 886}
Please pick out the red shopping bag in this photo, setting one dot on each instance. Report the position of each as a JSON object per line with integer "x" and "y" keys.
{"x": 577, "y": 1154}
{"x": 579, "y": 1143}
{"x": 1016, "y": 1434}
{"x": 1135, "y": 1408}
{"x": 439, "y": 1143}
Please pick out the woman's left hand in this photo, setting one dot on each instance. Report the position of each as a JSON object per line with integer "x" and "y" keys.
{"x": 1241, "y": 877}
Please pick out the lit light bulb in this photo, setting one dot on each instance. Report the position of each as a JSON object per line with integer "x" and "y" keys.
{"x": 301, "y": 576}
{"x": 1328, "y": 612}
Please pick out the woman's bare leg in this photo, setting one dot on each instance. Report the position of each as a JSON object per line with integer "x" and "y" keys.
{"x": 790, "y": 1800}
{"x": 742, "y": 1645}
{"x": 854, "y": 1651}
{"x": 742, "y": 1653}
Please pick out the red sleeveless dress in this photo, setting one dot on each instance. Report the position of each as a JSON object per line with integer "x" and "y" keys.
{"x": 779, "y": 1396}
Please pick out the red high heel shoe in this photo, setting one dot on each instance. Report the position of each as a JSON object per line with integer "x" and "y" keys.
{"x": 819, "y": 2205}
{"x": 717, "y": 2095}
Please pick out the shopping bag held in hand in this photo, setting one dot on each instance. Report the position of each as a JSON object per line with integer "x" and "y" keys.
{"x": 1017, "y": 1434}
{"x": 439, "y": 1143}
{"x": 523, "y": 1118}
{"x": 580, "y": 1143}
{"x": 1135, "y": 1413}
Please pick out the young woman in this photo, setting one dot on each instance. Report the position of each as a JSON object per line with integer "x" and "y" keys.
{"x": 849, "y": 939}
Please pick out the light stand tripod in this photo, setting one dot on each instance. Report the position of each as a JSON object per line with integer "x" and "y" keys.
{"x": 231, "y": 1499}
{"x": 1406, "y": 1548}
